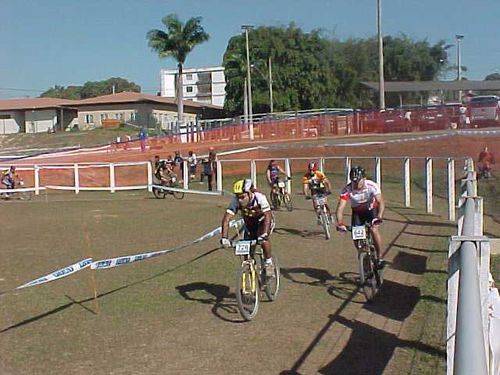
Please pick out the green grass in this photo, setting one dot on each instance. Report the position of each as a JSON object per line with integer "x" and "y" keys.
{"x": 495, "y": 268}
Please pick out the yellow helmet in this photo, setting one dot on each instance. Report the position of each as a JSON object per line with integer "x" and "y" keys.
{"x": 242, "y": 186}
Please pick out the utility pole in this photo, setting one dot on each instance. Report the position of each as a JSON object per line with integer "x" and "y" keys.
{"x": 271, "y": 108}
{"x": 381, "y": 85}
{"x": 459, "y": 37}
{"x": 249, "y": 82}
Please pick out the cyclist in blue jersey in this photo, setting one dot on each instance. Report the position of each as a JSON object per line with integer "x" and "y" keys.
{"x": 273, "y": 172}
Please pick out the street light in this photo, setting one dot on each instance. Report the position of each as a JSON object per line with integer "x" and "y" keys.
{"x": 459, "y": 37}
{"x": 249, "y": 81}
{"x": 381, "y": 85}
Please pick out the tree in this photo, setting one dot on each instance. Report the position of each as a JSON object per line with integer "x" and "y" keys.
{"x": 91, "y": 89}
{"x": 177, "y": 42}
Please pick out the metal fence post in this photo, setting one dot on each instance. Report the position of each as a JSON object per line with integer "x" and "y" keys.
{"x": 36, "y": 169}
{"x": 407, "y": 183}
{"x": 288, "y": 172}
{"x": 322, "y": 165}
{"x": 378, "y": 174}
{"x": 347, "y": 168}
{"x": 112, "y": 177}
{"x": 150, "y": 176}
{"x": 451, "y": 189}
{"x": 77, "y": 179}
{"x": 219, "y": 175}
{"x": 428, "y": 183}
{"x": 253, "y": 172}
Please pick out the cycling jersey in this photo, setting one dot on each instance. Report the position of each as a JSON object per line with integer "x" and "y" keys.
{"x": 316, "y": 182}
{"x": 361, "y": 199}
{"x": 254, "y": 211}
{"x": 274, "y": 172}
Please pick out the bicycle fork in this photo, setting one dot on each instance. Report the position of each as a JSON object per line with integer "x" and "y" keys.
{"x": 253, "y": 282}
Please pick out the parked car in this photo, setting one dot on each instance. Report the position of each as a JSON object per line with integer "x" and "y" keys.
{"x": 484, "y": 110}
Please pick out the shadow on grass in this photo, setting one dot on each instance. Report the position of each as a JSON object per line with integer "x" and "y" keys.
{"x": 308, "y": 234}
{"x": 217, "y": 295}
{"x": 101, "y": 295}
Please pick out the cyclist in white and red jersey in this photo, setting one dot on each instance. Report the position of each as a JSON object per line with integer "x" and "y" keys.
{"x": 367, "y": 206}
{"x": 257, "y": 215}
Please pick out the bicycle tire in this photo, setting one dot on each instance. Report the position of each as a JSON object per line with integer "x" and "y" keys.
{"x": 367, "y": 276}
{"x": 159, "y": 193}
{"x": 287, "y": 199}
{"x": 275, "y": 200}
{"x": 26, "y": 195}
{"x": 247, "y": 291}
{"x": 325, "y": 222}
{"x": 272, "y": 284}
{"x": 178, "y": 194}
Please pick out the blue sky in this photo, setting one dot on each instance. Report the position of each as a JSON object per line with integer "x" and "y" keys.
{"x": 70, "y": 42}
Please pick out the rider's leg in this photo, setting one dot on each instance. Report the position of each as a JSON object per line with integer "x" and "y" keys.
{"x": 377, "y": 241}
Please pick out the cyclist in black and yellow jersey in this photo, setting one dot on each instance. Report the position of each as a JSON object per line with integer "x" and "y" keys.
{"x": 257, "y": 216}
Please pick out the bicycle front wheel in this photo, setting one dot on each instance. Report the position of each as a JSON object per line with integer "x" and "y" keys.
{"x": 247, "y": 291}
{"x": 367, "y": 276}
{"x": 178, "y": 194}
{"x": 275, "y": 201}
{"x": 325, "y": 222}
{"x": 272, "y": 284}
{"x": 287, "y": 199}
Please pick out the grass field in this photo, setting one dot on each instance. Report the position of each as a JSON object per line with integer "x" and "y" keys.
{"x": 177, "y": 313}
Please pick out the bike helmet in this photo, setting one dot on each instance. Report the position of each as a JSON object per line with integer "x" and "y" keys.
{"x": 357, "y": 173}
{"x": 242, "y": 186}
{"x": 312, "y": 166}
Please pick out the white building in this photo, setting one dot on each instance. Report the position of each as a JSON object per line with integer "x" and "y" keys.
{"x": 204, "y": 85}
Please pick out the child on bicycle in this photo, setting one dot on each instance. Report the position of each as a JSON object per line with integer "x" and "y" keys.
{"x": 257, "y": 216}
{"x": 367, "y": 206}
{"x": 315, "y": 183}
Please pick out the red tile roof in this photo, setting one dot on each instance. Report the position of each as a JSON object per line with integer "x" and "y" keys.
{"x": 33, "y": 103}
{"x": 122, "y": 97}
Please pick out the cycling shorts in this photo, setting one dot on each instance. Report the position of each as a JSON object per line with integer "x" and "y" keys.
{"x": 363, "y": 217}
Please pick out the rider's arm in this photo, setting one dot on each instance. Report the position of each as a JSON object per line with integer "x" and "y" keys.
{"x": 268, "y": 216}
{"x": 381, "y": 206}
{"x": 225, "y": 224}
{"x": 268, "y": 175}
{"x": 326, "y": 181}
{"x": 339, "y": 212}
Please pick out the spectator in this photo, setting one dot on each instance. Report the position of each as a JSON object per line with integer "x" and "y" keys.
{"x": 179, "y": 161}
{"x": 142, "y": 139}
{"x": 485, "y": 161}
{"x": 210, "y": 168}
{"x": 192, "y": 165}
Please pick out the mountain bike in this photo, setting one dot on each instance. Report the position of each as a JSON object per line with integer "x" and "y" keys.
{"x": 371, "y": 277}
{"x": 280, "y": 196}
{"x": 323, "y": 214}
{"x": 21, "y": 193}
{"x": 251, "y": 279}
{"x": 160, "y": 193}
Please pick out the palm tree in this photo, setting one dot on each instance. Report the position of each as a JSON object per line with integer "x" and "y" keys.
{"x": 177, "y": 42}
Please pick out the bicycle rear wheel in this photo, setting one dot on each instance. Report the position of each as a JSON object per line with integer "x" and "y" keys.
{"x": 287, "y": 200}
{"x": 247, "y": 291}
{"x": 271, "y": 284}
{"x": 275, "y": 201}
{"x": 159, "y": 193}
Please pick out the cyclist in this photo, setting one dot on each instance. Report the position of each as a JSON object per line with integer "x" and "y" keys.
{"x": 273, "y": 172}
{"x": 257, "y": 216}
{"x": 315, "y": 183}
{"x": 485, "y": 161}
{"x": 165, "y": 172}
{"x": 367, "y": 206}
{"x": 9, "y": 178}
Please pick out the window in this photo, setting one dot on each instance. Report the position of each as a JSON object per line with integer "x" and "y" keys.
{"x": 5, "y": 117}
{"x": 132, "y": 116}
{"x": 189, "y": 77}
{"x": 189, "y": 89}
{"x": 89, "y": 119}
{"x": 104, "y": 116}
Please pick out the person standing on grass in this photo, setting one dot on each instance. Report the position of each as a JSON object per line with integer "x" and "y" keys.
{"x": 192, "y": 164}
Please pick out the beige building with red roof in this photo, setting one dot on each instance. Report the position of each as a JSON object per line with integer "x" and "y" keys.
{"x": 37, "y": 115}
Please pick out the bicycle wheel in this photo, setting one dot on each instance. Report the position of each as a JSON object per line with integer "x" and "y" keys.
{"x": 176, "y": 194}
{"x": 275, "y": 204}
{"x": 325, "y": 222}
{"x": 25, "y": 195}
{"x": 287, "y": 200}
{"x": 159, "y": 193}
{"x": 247, "y": 291}
{"x": 367, "y": 276}
{"x": 271, "y": 284}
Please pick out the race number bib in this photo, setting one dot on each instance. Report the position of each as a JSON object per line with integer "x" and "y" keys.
{"x": 359, "y": 232}
{"x": 281, "y": 184}
{"x": 242, "y": 248}
{"x": 319, "y": 201}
